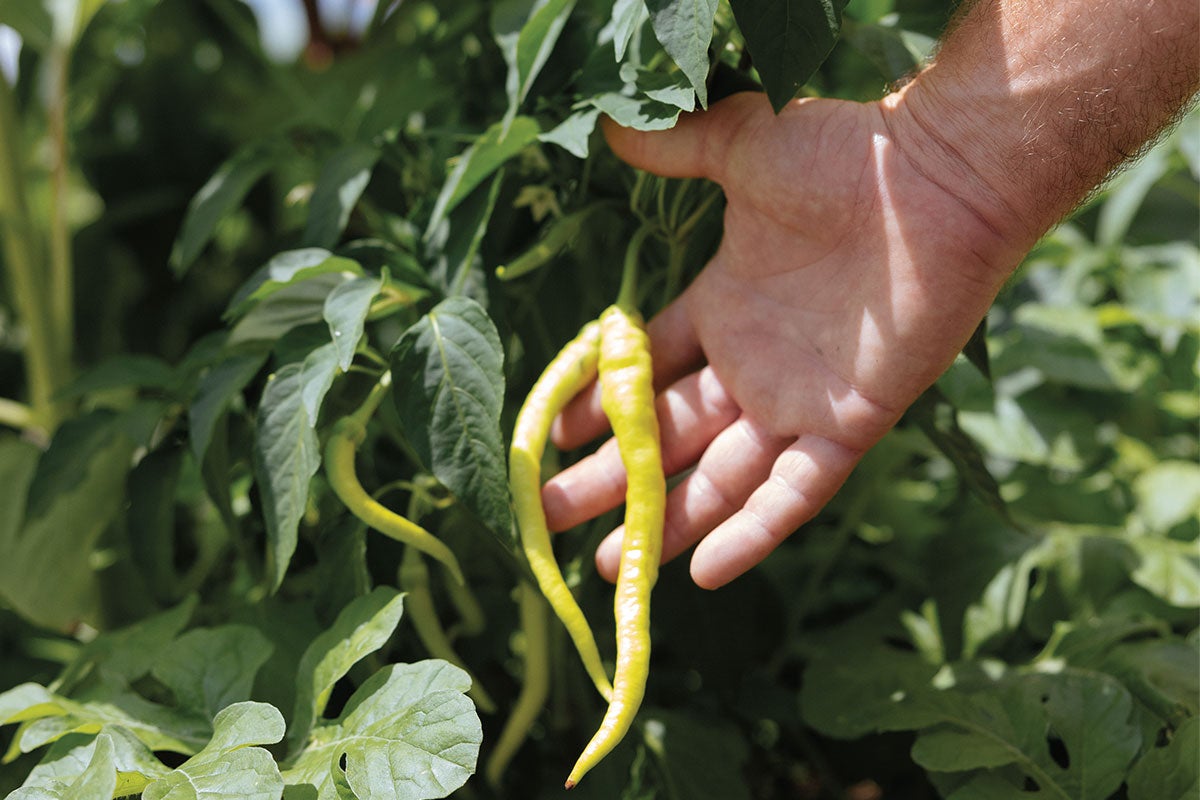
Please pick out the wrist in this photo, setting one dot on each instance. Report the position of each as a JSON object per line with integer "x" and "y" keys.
{"x": 955, "y": 149}
{"x": 1029, "y": 106}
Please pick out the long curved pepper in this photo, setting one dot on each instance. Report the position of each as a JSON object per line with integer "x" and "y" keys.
{"x": 420, "y": 610}
{"x": 627, "y": 396}
{"x": 568, "y": 373}
{"x": 348, "y": 433}
{"x": 535, "y": 687}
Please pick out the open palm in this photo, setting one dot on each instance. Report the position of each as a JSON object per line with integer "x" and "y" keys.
{"x": 847, "y": 280}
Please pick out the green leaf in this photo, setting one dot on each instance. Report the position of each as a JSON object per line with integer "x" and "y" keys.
{"x": 938, "y": 420}
{"x": 98, "y": 781}
{"x": 850, "y": 694}
{"x": 1001, "y": 606}
{"x": 1068, "y": 346}
{"x": 454, "y": 245}
{"x": 223, "y": 193}
{"x": 301, "y": 303}
{"x": 408, "y": 733}
{"x": 127, "y": 653}
{"x": 107, "y": 701}
{"x": 211, "y": 668}
{"x": 1168, "y": 569}
{"x": 360, "y": 629}
{"x": 1172, "y": 771}
{"x": 346, "y": 310}
{"x": 214, "y": 394}
{"x": 67, "y": 460}
{"x": 317, "y": 374}
{"x": 684, "y": 28}
{"x": 30, "y": 19}
{"x": 1167, "y": 494}
{"x": 1163, "y": 674}
{"x": 573, "y": 133}
{"x": 448, "y": 371}
{"x": 671, "y": 90}
{"x": 69, "y": 757}
{"x": 289, "y": 269}
{"x": 27, "y": 701}
{"x": 489, "y": 152}
{"x": 1087, "y": 714}
{"x": 229, "y": 766}
{"x": 627, "y": 17}
{"x": 122, "y": 371}
{"x": 18, "y": 464}
{"x": 788, "y": 40}
{"x": 1126, "y": 193}
{"x": 640, "y": 112}
{"x": 894, "y": 51}
{"x": 702, "y": 757}
{"x": 343, "y": 179}
{"x": 47, "y": 574}
{"x": 526, "y": 31}
{"x": 287, "y": 455}
{"x": 150, "y": 518}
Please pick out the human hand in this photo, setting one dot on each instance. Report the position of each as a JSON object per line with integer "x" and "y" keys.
{"x": 847, "y": 281}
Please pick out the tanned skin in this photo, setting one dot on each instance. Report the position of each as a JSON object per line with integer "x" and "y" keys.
{"x": 864, "y": 243}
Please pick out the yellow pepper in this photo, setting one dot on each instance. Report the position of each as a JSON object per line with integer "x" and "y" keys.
{"x": 571, "y": 370}
{"x": 627, "y": 396}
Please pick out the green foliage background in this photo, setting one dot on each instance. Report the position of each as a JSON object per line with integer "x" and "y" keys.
{"x": 1002, "y": 601}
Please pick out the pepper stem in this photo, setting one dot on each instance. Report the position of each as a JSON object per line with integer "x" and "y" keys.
{"x": 627, "y": 295}
{"x": 378, "y": 392}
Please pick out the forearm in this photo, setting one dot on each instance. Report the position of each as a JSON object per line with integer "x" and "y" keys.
{"x": 1030, "y": 104}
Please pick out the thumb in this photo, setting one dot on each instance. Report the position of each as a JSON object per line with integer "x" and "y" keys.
{"x": 697, "y": 147}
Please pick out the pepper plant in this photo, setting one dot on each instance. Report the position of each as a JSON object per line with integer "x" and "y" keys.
{"x": 212, "y": 258}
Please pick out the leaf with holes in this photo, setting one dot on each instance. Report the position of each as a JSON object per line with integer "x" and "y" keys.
{"x": 1069, "y": 733}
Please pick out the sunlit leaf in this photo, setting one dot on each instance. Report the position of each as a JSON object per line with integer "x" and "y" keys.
{"x": 684, "y": 28}
{"x": 359, "y": 630}
{"x": 346, "y": 310}
{"x": 229, "y": 766}
{"x": 408, "y": 733}
{"x": 572, "y": 134}
{"x": 98, "y": 780}
{"x": 69, "y": 757}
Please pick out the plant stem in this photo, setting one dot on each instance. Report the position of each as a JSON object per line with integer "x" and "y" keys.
{"x": 24, "y": 263}
{"x": 62, "y": 293}
{"x": 675, "y": 258}
{"x": 16, "y": 415}
{"x": 693, "y": 220}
